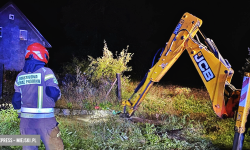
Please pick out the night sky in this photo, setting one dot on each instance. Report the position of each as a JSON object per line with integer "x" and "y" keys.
{"x": 78, "y": 28}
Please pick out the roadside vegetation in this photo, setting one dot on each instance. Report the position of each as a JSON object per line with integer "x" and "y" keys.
{"x": 188, "y": 121}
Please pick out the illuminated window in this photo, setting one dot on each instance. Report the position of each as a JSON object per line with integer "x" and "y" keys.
{"x": 0, "y": 32}
{"x": 11, "y": 16}
{"x": 23, "y": 35}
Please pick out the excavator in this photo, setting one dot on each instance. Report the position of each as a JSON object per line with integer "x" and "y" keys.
{"x": 215, "y": 72}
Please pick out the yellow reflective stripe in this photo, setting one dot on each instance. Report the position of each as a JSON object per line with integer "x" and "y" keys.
{"x": 37, "y": 110}
{"x": 48, "y": 76}
{"x": 31, "y": 115}
{"x": 16, "y": 84}
{"x": 40, "y": 97}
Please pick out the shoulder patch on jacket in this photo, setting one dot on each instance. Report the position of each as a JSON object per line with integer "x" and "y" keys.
{"x": 48, "y": 76}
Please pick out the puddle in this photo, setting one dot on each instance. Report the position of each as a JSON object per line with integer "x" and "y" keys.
{"x": 91, "y": 118}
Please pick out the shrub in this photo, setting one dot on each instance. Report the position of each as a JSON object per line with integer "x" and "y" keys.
{"x": 106, "y": 67}
{"x": 83, "y": 85}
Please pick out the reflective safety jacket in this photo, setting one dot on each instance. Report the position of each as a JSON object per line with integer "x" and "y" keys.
{"x": 37, "y": 108}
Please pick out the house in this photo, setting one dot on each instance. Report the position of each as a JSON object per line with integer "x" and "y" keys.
{"x": 16, "y": 33}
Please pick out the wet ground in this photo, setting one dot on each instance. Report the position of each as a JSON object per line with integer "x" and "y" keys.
{"x": 88, "y": 118}
{"x": 102, "y": 117}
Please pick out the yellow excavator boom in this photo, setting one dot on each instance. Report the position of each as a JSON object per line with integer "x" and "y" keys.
{"x": 215, "y": 72}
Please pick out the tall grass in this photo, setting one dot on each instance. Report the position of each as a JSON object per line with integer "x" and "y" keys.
{"x": 82, "y": 94}
{"x": 117, "y": 133}
{"x": 188, "y": 120}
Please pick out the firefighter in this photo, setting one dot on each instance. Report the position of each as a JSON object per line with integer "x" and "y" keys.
{"x": 36, "y": 91}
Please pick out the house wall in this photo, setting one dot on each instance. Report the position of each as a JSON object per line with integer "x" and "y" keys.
{"x": 12, "y": 49}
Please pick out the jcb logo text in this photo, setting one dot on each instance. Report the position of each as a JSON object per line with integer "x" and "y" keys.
{"x": 203, "y": 66}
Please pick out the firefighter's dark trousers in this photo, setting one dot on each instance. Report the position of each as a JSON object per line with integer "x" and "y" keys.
{"x": 50, "y": 137}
